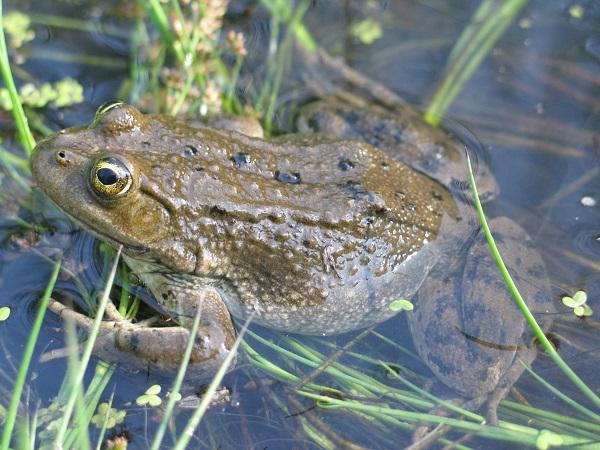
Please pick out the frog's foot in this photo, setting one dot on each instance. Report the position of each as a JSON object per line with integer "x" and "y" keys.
{"x": 425, "y": 435}
{"x": 156, "y": 349}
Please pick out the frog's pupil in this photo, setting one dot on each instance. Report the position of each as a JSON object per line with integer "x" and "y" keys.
{"x": 107, "y": 176}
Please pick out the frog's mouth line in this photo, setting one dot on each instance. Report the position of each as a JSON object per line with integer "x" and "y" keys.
{"x": 132, "y": 250}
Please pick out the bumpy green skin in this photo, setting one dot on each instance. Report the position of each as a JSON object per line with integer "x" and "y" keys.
{"x": 312, "y": 233}
{"x": 315, "y": 236}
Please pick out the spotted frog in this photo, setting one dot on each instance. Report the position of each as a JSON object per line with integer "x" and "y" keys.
{"x": 311, "y": 233}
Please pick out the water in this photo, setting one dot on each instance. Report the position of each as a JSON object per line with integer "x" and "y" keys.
{"x": 533, "y": 105}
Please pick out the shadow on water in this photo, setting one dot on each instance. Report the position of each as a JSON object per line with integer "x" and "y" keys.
{"x": 533, "y": 105}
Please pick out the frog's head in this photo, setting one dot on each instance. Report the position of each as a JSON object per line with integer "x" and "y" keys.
{"x": 98, "y": 176}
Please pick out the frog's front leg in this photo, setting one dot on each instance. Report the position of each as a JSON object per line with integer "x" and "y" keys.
{"x": 160, "y": 349}
{"x": 466, "y": 326}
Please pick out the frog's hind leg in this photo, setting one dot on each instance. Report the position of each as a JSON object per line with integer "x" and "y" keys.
{"x": 156, "y": 349}
{"x": 511, "y": 376}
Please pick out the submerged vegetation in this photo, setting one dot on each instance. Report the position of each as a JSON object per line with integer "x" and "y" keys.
{"x": 187, "y": 60}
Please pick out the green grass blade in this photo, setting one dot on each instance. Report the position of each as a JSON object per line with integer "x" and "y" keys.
{"x": 25, "y": 135}
{"x": 87, "y": 353}
{"x": 162, "y": 428}
{"x": 569, "y": 401}
{"x": 192, "y": 424}
{"x": 11, "y": 415}
{"x": 568, "y": 421}
{"x": 539, "y": 334}
{"x": 104, "y": 423}
{"x": 161, "y": 22}
{"x": 32, "y": 436}
{"x": 282, "y": 11}
{"x": 78, "y": 435}
{"x": 463, "y": 62}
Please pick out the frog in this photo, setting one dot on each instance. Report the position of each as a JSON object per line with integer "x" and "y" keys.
{"x": 317, "y": 232}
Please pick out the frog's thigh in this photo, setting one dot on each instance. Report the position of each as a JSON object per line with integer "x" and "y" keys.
{"x": 465, "y": 325}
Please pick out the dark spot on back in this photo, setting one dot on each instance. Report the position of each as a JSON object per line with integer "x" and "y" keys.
{"x": 216, "y": 211}
{"x": 345, "y": 164}
{"x": 288, "y": 177}
{"x": 354, "y": 188}
{"x": 241, "y": 159}
{"x": 190, "y": 150}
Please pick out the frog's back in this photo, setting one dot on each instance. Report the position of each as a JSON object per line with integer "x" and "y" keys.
{"x": 313, "y": 236}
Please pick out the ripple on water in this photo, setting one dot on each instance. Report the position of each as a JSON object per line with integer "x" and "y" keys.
{"x": 592, "y": 47}
{"x": 587, "y": 242}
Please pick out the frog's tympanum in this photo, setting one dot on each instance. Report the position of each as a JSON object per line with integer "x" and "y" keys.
{"x": 311, "y": 233}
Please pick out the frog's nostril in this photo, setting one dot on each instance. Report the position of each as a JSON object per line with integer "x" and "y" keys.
{"x": 62, "y": 158}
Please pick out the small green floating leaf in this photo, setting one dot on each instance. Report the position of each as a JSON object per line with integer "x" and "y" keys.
{"x": 112, "y": 416}
{"x": 4, "y": 313}
{"x": 145, "y": 399}
{"x": 401, "y": 304}
{"x": 68, "y": 92}
{"x": 576, "y": 11}
{"x": 547, "y": 439}
{"x": 578, "y": 299}
{"x": 578, "y": 303}
{"x": 367, "y": 31}
{"x": 17, "y": 26}
{"x": 150, "y": 397}
{"x": 153, "y": 390}
{"x": 61, "y": 93}
{"x": 175, "y": 395}
{"x": 583, "y": 311}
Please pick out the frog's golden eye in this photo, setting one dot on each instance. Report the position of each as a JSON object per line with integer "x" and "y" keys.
{"x": 110, "y": 177}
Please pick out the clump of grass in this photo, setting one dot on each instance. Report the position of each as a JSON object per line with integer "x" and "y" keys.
{"x": 198, "y": 81}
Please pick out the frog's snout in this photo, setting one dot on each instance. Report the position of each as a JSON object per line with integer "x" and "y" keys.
{"x": 49, "y": 161}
